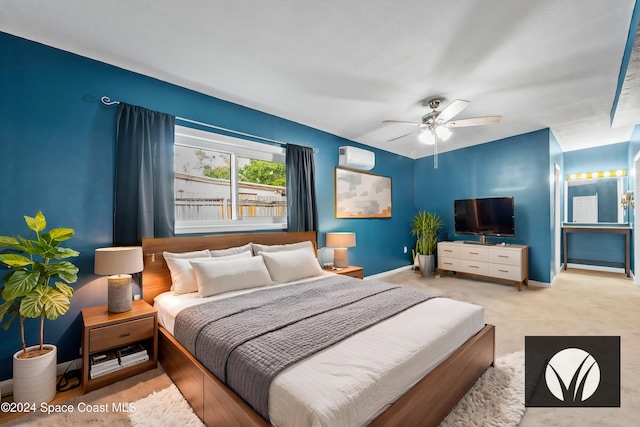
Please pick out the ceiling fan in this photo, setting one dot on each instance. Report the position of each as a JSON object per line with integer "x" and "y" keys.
{"x": 435, "y": 124}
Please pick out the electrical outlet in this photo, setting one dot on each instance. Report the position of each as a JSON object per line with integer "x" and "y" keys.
{"x": 136, "y": 296}
{"x": 405, "y": 250}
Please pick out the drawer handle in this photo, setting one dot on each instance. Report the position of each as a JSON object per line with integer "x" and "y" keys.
{"x": 447, "y": 263}
{"x": 124, "y": 335}
{"x": 503, "y": 256}
{"x": 447, "y": 250}
{"x": 474, "y": 253}
{"x": 474, "y": 266}
{"x": 503, "y": 271}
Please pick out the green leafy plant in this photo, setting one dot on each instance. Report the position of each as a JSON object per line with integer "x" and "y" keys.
{"x": 30, "y": 287}
{"x": 425, "y": 226}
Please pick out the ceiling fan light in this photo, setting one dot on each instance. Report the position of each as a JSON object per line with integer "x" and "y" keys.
{"x": 443, "y": 133}
{"x": 427, "y": 137}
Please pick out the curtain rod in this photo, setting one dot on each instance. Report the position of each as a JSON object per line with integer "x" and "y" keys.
{"x": 107, "y": 101}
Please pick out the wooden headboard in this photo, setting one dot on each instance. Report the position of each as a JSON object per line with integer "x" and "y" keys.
{"x": 155, "y": 276}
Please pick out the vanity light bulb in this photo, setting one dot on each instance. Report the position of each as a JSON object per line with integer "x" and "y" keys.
{"x": 618, "y": 173}
{"x": 572, "y": 176}
{"x": 607, "y": 174}
{"x": 594, "y": 174}
{"x": 583, "y": 176}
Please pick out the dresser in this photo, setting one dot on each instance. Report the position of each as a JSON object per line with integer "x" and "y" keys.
{"x": 507, "y": 263}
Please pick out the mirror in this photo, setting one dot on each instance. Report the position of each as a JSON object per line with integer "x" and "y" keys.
{"x": 595, "y": 200}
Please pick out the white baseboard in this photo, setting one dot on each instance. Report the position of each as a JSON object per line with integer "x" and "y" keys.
{"x": 6, "y": 386}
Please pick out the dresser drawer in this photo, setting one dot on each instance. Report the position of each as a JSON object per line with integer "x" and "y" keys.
{"x": 505, "y": 256}
{"x": 448, "y": 251}
{"x": 448, "y": 263}
{"x": 505, "y": 271}
{"x": 474, "y": 267}
{"x": 476, "y": 253}
{"x": 120, "y": 334}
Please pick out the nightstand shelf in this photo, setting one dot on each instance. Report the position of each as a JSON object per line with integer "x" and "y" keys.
{"x": 352, "y": 271}
{"x": 103, "y": 331}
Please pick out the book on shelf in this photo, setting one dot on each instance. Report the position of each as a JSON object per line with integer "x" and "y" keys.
{"x": 131, "y": 362}
{"x": 99, "y": 371}
{"x": 131, "y": 352}
{"x": 104, "y": 360}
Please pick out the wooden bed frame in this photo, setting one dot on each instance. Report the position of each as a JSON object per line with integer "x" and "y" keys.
{"x": 427, "y": 403}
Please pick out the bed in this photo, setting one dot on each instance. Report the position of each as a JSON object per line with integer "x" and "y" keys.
{"x": 425, "y": 401}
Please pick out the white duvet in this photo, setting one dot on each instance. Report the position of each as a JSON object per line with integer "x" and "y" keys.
{"x": 355, "y": 380}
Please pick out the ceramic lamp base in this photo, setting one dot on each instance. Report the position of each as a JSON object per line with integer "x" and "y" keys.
{"x": 119, "y": 294}
{"x": 341, "y": 257}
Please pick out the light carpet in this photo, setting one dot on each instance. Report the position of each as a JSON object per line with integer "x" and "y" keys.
{"x": 166, "y": 408}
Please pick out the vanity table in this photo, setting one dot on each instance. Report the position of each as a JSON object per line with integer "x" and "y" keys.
{"x": 596, "y": 203}
{"x": 599, "y": 229}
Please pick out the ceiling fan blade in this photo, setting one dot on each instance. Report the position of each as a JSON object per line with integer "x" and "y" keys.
{"x": 452, "y": 110}
{"x": 399, "y": 122}
{"x": 475, "y": 121}
{"x": 402, "y": 136}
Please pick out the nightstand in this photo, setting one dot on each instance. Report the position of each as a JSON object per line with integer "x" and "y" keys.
{"x": 103, "y": 331}
{"x": 352, "y": 271}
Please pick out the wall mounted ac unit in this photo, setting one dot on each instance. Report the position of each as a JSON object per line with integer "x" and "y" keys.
{"x": 356, "y": 158}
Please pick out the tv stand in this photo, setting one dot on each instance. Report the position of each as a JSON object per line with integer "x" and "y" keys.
{"x": 507, "y": 263}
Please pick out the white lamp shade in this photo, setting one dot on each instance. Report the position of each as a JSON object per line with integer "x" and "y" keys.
{"x": 341, "y": 240}
{"x": 118, "y": 260}
{"x": 429, "y": 138}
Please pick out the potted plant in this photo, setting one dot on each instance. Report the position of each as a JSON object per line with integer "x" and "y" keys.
{"x": 36, "y": 287}
{"x": 425, "y": 226}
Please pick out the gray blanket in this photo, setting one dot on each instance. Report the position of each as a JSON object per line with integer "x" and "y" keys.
{"x": 247, "y": 340}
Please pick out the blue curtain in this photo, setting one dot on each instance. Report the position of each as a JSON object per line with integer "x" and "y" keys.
{"x": 144, "y": 195}
{"x": 302, "y": 212}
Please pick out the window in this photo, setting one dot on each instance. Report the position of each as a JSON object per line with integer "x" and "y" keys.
{"x": 227, "y": 184}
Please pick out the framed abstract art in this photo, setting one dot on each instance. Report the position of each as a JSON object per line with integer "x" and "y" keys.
{"x": 361, "y": 194}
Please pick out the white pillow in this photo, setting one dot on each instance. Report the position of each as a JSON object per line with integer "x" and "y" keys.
{"x": 225, "y": 275}
{"x": 182, "y": 278}
{"x": 186, "y": 255}
{"x": 230, "y": 251}
{"x": 290, "y": 265}
{"x": 257, "y": 248}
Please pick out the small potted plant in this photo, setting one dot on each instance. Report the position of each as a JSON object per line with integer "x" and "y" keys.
{"x": 36, "y": 287}
{"x": 425, "y": 226}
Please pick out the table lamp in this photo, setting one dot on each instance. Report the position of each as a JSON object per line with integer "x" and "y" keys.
{"x": 340, "y": 242}
{"x": 118, "y": 263}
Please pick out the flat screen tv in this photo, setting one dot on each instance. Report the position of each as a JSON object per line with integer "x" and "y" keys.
{"x": 491, "y": 216}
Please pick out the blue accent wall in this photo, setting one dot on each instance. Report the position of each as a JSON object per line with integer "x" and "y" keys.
{"x": 597, "y": 247}
{"x": 518, "y": 166}
{"x": 58, "y": 144}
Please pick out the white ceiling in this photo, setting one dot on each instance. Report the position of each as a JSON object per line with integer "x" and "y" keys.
{"x": 343, "y": 66}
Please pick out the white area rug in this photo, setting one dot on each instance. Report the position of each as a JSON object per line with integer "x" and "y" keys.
{"x": 496, "y": 399}
{"x": 164, "y": 408}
